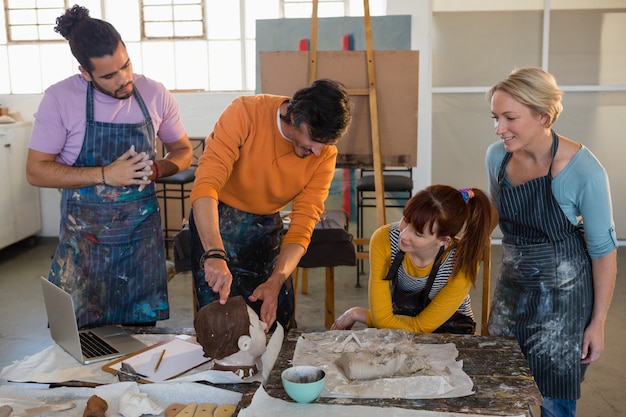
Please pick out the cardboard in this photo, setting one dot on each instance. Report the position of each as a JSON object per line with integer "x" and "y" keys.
{"x": 397, "y": 79}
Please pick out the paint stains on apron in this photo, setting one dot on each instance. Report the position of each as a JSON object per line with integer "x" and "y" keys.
{"x": 110, "y": 255}
{"x": 544, "y": 293}
{"x": 252, "y": 243}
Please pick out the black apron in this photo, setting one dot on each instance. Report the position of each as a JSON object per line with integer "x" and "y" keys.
{"x": 252, "y": 243}
{"x": 110, "y": 256}
{"x": 544, "y": 293}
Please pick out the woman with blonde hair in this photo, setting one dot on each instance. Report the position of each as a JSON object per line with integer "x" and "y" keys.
{"x": 559, "y": 246}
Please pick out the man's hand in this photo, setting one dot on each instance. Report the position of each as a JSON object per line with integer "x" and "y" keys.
{"x": 268, "y": 293}
{"x": 218, "y": 276}
{"x": 131, "y": 168}
{"x": 42, "y": 170}
{"x": 147, "y": 170}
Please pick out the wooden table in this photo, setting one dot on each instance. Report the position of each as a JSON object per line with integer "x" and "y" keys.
{"x": 503, "y": 383}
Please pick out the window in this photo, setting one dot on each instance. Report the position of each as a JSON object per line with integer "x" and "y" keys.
{"x": 304, "y": 8}
{"x": 172, "y": 19}
{"x": 188, "y": 45}
{"x": 32, "y": 20}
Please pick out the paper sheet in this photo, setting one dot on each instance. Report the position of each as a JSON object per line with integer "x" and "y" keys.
{"x": 444, "y": 379}
{"x": 261, "y": 403}
{"x": 162, "y": 394}
{"x": 174, "y": 357}
{"x": 53, "y": 364}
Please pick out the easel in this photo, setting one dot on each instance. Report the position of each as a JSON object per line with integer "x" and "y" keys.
{"x": 373, "y": 101}
{"x": 370, "y": 91}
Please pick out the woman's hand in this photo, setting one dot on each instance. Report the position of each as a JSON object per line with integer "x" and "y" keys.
{"x": 350, "y": 318}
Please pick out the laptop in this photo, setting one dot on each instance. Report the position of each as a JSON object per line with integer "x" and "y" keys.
{"x": 89, "y": 345}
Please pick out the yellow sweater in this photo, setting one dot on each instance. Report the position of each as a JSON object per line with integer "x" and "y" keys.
{"x": 250, "y": 166}
{"x": 380, "y": 313}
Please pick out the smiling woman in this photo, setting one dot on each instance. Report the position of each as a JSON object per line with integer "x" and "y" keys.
{"x": 559, "y": 246}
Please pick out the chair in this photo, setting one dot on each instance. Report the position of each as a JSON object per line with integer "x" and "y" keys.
{"x": 486, "y": 294}
{"x": 398, "y": 189}
{"x": 176, "y": 187}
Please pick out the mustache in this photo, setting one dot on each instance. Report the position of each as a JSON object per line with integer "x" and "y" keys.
{"x": 125, "y": 85}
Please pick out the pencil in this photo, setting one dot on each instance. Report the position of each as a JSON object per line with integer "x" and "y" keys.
{"x": 159, "y": 361}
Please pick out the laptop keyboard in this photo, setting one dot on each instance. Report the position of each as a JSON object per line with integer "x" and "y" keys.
{"x": 93, "y": 346}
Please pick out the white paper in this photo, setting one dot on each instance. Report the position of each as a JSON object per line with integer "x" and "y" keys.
{"x": 444, "y": 379}
{"x": 53, "y": 364}
{"x": 261, "y": 403}
{"x": 180, "y": 354}
{"x": 162, "y": 394}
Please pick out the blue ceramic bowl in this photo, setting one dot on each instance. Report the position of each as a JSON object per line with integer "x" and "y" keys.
{"x": 303, "y": 383}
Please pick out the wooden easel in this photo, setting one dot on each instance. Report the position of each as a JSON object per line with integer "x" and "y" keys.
{"x": 373, "y": 102}
{"x": 329, "y": 315}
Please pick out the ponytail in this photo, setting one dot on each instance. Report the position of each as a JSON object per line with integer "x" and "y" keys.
{"x": 475, "y": 235}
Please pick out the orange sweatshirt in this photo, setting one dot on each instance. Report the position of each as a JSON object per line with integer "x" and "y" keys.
{"x": 250, "y": 166}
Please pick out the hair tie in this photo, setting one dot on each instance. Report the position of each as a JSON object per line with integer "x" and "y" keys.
{"x": 467, "y": 193}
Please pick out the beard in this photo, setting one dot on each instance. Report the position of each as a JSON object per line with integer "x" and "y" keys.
{"x": 118, "y": 94}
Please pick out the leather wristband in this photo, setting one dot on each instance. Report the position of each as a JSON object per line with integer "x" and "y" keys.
{"x": 157, "y": 173}
{"x": 211, "y": 254}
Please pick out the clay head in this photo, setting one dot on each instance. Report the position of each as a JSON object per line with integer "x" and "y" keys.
{"x": 224, "y": 330}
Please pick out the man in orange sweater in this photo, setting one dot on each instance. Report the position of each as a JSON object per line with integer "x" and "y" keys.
{"x": 265, "y": 152}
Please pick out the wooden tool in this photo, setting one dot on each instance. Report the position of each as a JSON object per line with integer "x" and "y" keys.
{"x": 45, "y": 409}
{"x": 188, "y": 411}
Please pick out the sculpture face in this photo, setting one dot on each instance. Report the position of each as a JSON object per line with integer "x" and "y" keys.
{"x": 258, "y": 339}
{"x": 231, "y": 332}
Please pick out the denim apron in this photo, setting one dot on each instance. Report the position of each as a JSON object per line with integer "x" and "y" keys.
{"x": 110, "y": 256}
{"x": 252, "y": 243}
{"x": 544, "y": 293}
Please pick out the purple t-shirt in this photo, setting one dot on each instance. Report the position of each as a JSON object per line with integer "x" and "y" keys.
{"x": 59, "y": 127}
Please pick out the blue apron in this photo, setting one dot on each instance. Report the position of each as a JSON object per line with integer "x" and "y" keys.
{"x": 544, "y": 293}
{"x": 110, "y": 256}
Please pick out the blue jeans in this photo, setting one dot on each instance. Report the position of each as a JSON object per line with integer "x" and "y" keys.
{"x": 555, "y": 407}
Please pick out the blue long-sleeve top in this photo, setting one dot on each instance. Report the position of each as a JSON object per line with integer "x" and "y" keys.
{"x": 581, "y": 190}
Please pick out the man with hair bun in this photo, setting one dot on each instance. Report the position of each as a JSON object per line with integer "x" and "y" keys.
{"x": 94, "y": 137}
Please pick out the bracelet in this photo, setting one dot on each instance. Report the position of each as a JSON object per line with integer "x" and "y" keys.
{"x": 208, "y": 255}
{"x": 216, "y": 250}
{"x": 104, "y": 182}
{"x": 157, "y": 173}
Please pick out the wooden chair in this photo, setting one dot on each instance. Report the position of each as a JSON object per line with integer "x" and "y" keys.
{"x": 398, "y": 189}
{"x": 178, "y": 188}
{"x": 486, "y": 296}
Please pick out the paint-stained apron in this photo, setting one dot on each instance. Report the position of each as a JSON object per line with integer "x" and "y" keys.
{"x": 252, "y": 243}
{"x": 110, "y": 256}
{"x": 544, "y": 293}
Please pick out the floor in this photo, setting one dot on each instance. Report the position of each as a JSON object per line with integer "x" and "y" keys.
{"x": 23, "y": 323}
